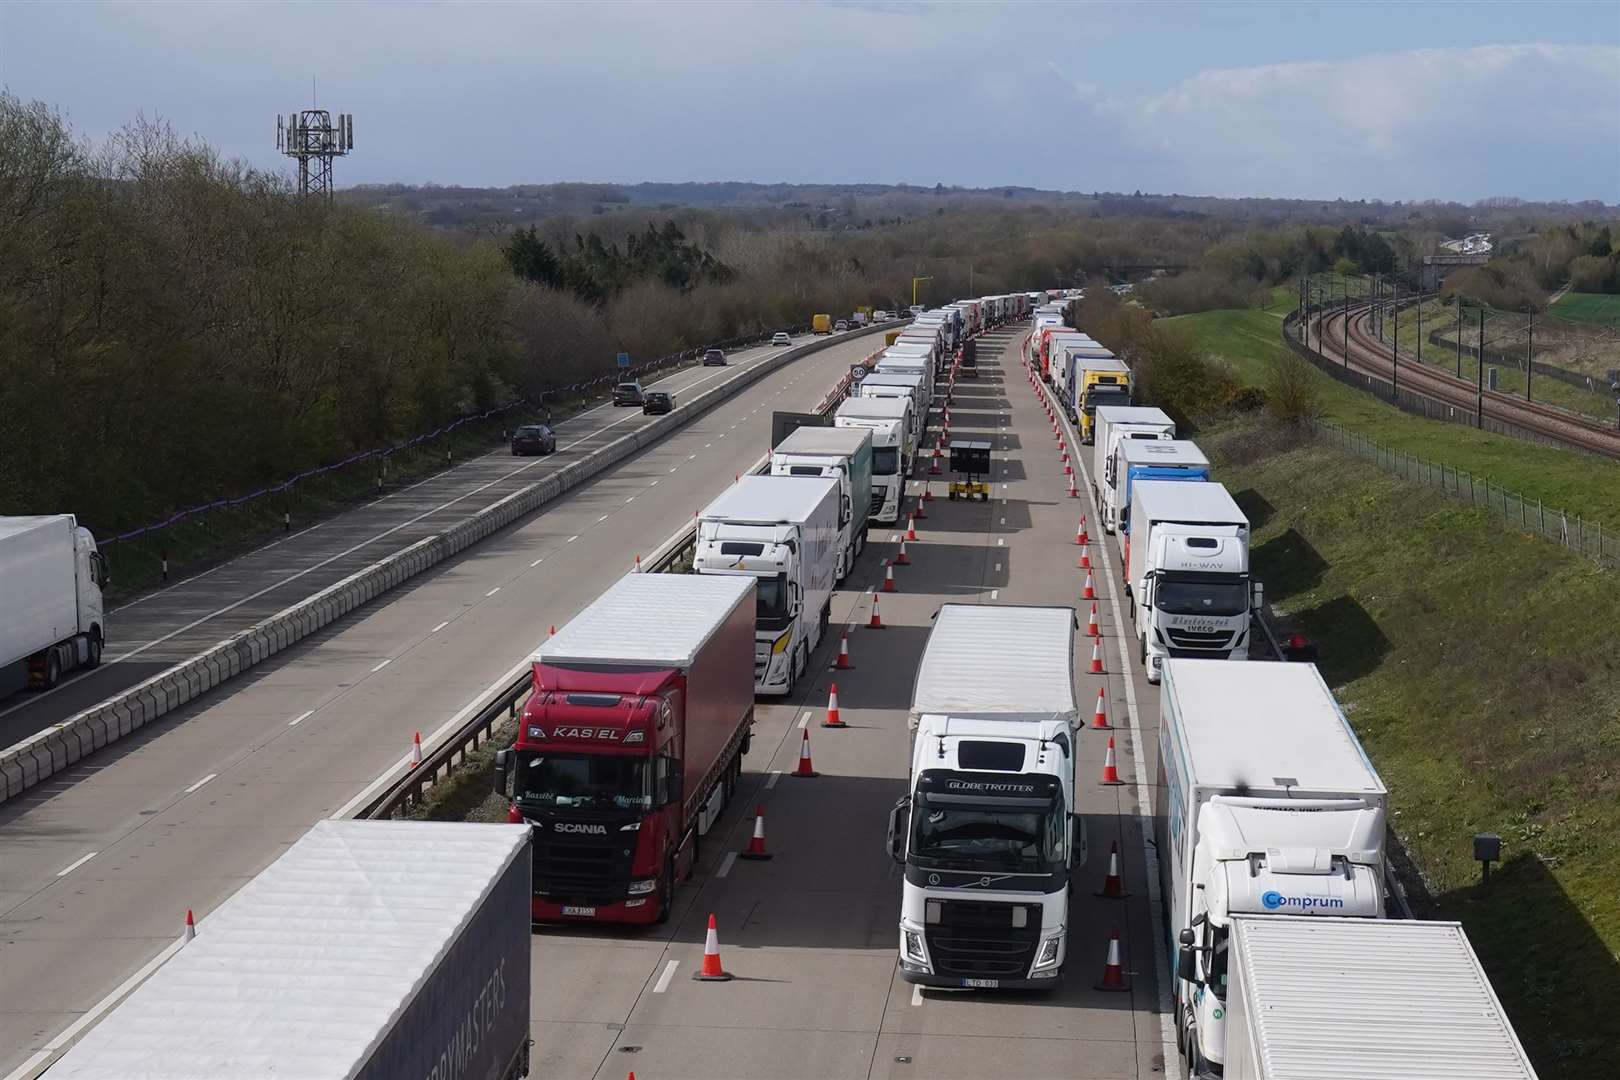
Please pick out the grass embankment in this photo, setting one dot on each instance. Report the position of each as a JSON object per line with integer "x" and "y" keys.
{"x": 1477, "y": 665}
{"x": 1249, "y": 340}
{"x": 1600, "y": 308}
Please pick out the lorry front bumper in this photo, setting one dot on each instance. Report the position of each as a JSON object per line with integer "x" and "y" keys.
{"x": 638, "y": 911}
{"x": 942, "y": 982}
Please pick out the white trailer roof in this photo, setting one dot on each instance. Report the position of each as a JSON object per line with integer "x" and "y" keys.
{"x": 893, "y": 378}
{"x": 842, "y": 441}
{"x": 307, "y": 966}
{"x": 889, "y": 408}
{"x": 661, "y": 619}
{"x": 15, "y": 526}
{"x": 988, "y": 660}
{"x": 1229, "y": 712}
{"x": 1131, "y": 414}
{"x": 1377, "y": 999}
{"x": 1177, "y": 500}
{"x": 1162, "y": 452}
{"x": 770, "y": 500}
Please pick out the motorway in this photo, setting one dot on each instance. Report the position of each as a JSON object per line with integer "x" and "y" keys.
{"x": 811, "y": 935}
{"x": 102, "y": 861}
{"x": 168, "y": 625}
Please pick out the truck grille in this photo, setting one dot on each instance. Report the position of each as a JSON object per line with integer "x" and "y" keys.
{"x": 877, "y": 500}
{"x": 582, "y": 870}
{"x": 1194, "y": 643}
{"x": 977, "y": 940}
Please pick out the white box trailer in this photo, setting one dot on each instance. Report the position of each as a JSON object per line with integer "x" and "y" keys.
{"x": 897, "y": 384}
{"x": 371, "y": 950}
{"x": 1330, "y": 999}
{"x": 845, "y": 454}
{"x": 1115, "y": 424}
{"x": 51, "y": 615}
{"x": 889, "y": 421}
{"x": 783, "y": 532}
{"x": 1267, "y": 805}
{"x": 994, "y": 718}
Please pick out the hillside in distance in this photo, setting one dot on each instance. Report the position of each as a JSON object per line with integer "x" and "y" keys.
{"x": 859, "y": 206}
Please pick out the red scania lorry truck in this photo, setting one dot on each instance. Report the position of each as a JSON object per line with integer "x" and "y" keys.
{"x": 631, "y": 742}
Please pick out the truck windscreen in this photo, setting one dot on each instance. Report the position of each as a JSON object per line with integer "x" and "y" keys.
{"x": 1105, "y": 395}
{"x": 987, "y": 837}
{"x": 771, "y": 602}
{"x": 1195, "y": 596}
{"x": 583, "y": 781}
{"x": 885, "y": 460}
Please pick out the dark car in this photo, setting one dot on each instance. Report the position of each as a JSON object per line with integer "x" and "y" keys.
{"x": 714, "y": 358}
{"x": 628, "y": 393}
{"x": 656, "y": 401}
{"x": 534, "y": 439}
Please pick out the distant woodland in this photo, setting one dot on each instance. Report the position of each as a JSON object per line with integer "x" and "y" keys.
{"x": 176, "y": 327}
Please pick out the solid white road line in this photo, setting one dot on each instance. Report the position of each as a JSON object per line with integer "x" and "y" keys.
{"x": 76, "y": 863}
{"x": 770, "y": 781}
{"x": 492, "y": 592}
{"x": 916, "y": 995}
{"x": 726, "y": 864}
{"x": 441, "y": 626}
{"x": 665, "y": 976}
{"x": 193, "y": 788}
{"x": 301, "y": 717}
{"x": 382, "y": 665}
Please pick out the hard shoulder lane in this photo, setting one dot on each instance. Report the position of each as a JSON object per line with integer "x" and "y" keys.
{"x": 295, "y": 738}
{"x": 160, "y": 628}
{"x": 811, "y": 935}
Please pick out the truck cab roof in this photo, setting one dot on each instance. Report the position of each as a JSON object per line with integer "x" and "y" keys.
{"x": 770, "y": 500}
{"x": 1162, "y": 452}
{"x": 824, "y": 441}
{"x": 614, "y": 628}
{"x": 890, "y": 408}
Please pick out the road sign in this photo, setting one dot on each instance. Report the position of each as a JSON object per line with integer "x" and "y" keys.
{"x": 857, "y": 372}
{"x": 624, "y": 359}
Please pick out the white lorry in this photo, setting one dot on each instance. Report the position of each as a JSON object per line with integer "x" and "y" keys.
{"x": 1268, "y": 806}
{"x": 369, "y": 949}
{"x": 1329, "y": 997}
{"x": 1113, "y": 425}
{"x": 51, "y": 616}
{"x": 910, "y": 386}
{"x": 910, "y": 359}
{"x": 845, "y": 454}
{"x": 889, "y": 421}
{"x": 783, "y": 532}
{"x": 1187, "y": 571}
{"x": 988, "y": 835}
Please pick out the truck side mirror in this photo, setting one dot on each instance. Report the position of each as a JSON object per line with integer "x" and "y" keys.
{"x": 1257, "y": 590}
{"x": 1187, "y": 964}
{"x": 899, "y": 821}
{"x": 1186, "y": 937}
{"x": 503, "y": 766}
{"x": 1077, "y": 839}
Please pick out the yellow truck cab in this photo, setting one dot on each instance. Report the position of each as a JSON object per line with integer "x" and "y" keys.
{"x": 1102, "y": 381}
{"x": 821, "y": 324}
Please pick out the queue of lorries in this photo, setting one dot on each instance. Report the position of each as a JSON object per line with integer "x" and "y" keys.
{"x": 1269, "y": 817}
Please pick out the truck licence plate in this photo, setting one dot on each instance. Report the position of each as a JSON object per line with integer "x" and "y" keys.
{"x": 587, "y": 912}
{"x": 981, "y": 984}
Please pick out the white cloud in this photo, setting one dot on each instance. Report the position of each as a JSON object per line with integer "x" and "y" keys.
{"x": 1388, "y": 125}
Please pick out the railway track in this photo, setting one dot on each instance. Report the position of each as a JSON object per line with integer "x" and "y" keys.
{"x": 1370, "y": 356}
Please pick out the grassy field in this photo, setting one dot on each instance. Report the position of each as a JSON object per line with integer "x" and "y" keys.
{"x": 1477, "y": 665}
{"x": 1248, "y": 339}
{"x": 1600, "y": 308}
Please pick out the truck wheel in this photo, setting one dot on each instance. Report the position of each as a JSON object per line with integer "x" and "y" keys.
{"x": 666, "y": 901}
{"x": 1144, "y": 652}
{"x": 95, "y": 650}
{"x": 53, "y": 668}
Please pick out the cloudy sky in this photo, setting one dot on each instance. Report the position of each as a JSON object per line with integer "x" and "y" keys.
{"x": 1361, "y": 100}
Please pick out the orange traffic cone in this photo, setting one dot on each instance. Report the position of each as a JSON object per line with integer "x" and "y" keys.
{"x": 1113, "y": 886}
{"x": 711, "y": 970}
{"x": 553, "y": 629}
{"x": 833, "y": 719}
{"x": 1068, "y": 470}
{"x": 756, "y": 846}
{"x": 1096, "y": 656}
{"x": 1085, "y": 556}
{"x": 843, "y": 663}
{"x": 921, "y": 514}
{"x": 934, "y": 469}
{"x": 416, "y": 750}
{"x": 901, "y": 558}
{"x": 1110, "y": 776}
{"x": 1090, "y": 591}
{"x": 876, "y": 622}
{"x": 911, "y": 528}
{"x": 806, "y": 767}
{"x": 888, "y": 576}
{"x": 1091, "y": 628}
{"x": 191, "y": 925}
{"x": 1113, "y": 976}
{"x": 638, "y": 564}
{"x": 1099, "y": 722}
{"x": 927, "y": 496}
{"x": 1080, "y": 537}
{"x": 1074, "y": 492}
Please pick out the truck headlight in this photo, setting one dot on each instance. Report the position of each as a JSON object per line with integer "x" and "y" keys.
{"x": 1050, "y": 953}
{"x": 780, "y": 644}
{"x": 643, "y": 887}
{"x": 915, "y": 952}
